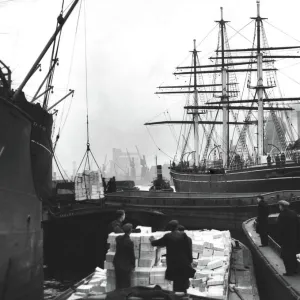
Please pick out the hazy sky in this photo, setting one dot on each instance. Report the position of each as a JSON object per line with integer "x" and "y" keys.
{"x": 132, "y": 47}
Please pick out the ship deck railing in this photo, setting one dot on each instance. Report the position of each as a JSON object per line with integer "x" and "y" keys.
{"x": 271, "y": 257}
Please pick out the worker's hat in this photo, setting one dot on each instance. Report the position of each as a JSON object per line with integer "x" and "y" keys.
{"x": 283, "y": 203}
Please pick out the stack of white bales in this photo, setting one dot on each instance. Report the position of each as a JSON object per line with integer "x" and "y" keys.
{"x": 211, "y": 252}
{"x": 97, "y": 284}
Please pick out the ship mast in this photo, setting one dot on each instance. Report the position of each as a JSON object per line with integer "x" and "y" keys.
{"x": 224, "y": 98}
{"x": 195, "y": 111}
{"x": 260, "y": 90}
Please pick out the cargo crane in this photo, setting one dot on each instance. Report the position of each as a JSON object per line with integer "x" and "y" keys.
{"x": 104, "y": 165}
{"x": 144, "y": 169}
{"x": 132, "y": 166}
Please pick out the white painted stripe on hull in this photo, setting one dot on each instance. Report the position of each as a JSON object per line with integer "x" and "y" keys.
{"x": 242, "y": 172}
{"x": 226, "y": 181}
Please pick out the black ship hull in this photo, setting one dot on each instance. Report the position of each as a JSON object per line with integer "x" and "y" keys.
{"x": 203, "y": 210}
{"x": 21, "y": 257}
{"x": 260, "y": 179}
{"x": 77, "y": 238}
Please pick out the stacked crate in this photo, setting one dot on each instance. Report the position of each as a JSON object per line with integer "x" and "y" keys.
{"x": 211, "y": 253}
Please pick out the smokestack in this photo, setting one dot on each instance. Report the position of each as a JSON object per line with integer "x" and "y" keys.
{"x": 159, "y": 172}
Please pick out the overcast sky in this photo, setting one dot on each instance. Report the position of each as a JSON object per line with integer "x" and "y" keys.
{"x": 132, "y": 47}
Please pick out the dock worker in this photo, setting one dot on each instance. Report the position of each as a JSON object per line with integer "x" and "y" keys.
{"x": 262, "y": 220}
{"x": 116, "y": 225}
{"x": 124, "y": 259}
{"x": 179, "y": 257}
{"x": 277, "y": 160}
{"x": 269, "y": 160}
{"x": 181, "y": 228}
{"x": 288, "y": 227}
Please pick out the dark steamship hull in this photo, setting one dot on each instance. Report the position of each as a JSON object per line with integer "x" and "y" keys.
{"x": 261, "y": 179}
{"x": 21, "y": 259}
{"x": 203, "y": 210}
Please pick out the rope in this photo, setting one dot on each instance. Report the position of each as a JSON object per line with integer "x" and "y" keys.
{"x": 157, "y": 145}
{"x": 239, "y": 31}
{"x": 61, "y": 126}
{"x": 86, "y": 78}
{"x": 281, "y": 31}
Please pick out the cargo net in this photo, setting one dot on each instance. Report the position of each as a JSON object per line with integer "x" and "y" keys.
{"x": 211, "y": 254}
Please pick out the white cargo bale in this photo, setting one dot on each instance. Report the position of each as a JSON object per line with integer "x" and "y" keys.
{"x": 219, "y": 271}
{"x": 97, "y": 281}
{"x": 143, "y": 281}
{"x": 219, "y": 253}
{"x": 99, "y": 288}
{"x": 110, "y": 256}
{"x": 146, "y": 263}
{"x": 157, "y": 279}
{"x": 203, "y": 273}
{"x": 110, "y": 273}
{"x": 84, "y": 288}
{"x": 203, "y": 261}
{"x": 198, "y": 282}
{"x": 145, "y": 238}
{"x": 195, "y": 255}
{"x": 198, "y": 246}
{"x": 207, "y": 252}
{"x": 216, "y": 234}
{"x": 144, "y": 229}
{"x": 216, "y": 263}
{"x": 148, "y": 255}
{"x": 219, "y": 247}
{"x": 216, "y": 280}
{"x": 216, "y": 292}
{"x": 208, "y": 244}
{"x": 99, "y": 270}
{"x": 147, "y": 247}
{"x": 142, "y": 272}
{"x": 108, "y": 265}
{"x": 158, "y": 270}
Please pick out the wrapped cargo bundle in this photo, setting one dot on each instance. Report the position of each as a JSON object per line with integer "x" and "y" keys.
{"x": 211, "y": 253}
{"x": 213, "y": 248}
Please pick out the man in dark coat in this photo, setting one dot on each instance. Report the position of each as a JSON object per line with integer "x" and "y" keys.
{"x": 179, "y": 257}
{"x": 124, "y": 259}
{"x": 288, "y": 227}
{"x": 262, "y": 220}
{"x": 116, "y": 225}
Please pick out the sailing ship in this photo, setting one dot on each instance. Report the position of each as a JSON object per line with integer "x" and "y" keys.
{"x": 241, "y": 163}
{"x": 25, "y": 177}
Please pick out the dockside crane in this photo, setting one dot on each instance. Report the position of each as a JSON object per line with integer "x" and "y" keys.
{"x": 132, "y": 166}
{"x": 143, "y": 164}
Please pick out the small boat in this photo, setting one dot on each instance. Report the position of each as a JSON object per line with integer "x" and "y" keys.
{"x": 241, "y": 284}
{"x": 270, "y": 267}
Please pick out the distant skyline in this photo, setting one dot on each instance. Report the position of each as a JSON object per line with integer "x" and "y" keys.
{"x": 132, "y": 47}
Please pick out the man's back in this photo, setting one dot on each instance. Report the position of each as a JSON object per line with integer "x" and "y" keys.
{"x": 178, "y": 248}
{"x": 124, "y": 258}
{"x": 288, "y": 227}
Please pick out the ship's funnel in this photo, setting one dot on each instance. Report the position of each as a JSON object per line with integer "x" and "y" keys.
{"x": 159, "y": 172}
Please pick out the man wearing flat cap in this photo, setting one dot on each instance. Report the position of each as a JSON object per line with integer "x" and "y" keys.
{"x": 116, "y": 225}
{"x": 179, "y": 257}
{"x": 288, "y": 227}
{"x": 124, "y": 259}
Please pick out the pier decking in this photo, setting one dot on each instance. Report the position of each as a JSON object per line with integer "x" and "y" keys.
{"x": 270, "y": 266}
